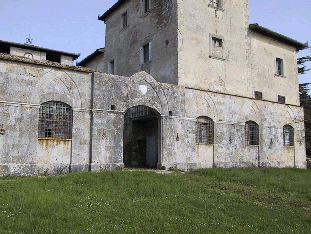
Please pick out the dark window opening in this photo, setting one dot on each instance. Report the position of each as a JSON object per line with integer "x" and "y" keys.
{"x": 146, "y": 54}
{"x": 258, "y": 95}
{"x": 124, "y": 20}
{"x": 252, "y": 133}
{"x": 281, "y": 99}
{"x": 288, "y": 135}
{"x": 5, "y": 49}
{"x": 170, "y": 113}
{"x": 53, "y": 57}
{"x": 111, "y": 67}
{"x": 146, "y": 6}
{"x": 55, "y": 120}
{"x": 112, "y": 107}
{"x": 204, "y": 130}
{"x": 279, "y": 67}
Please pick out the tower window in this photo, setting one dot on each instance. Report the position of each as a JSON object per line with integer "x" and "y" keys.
{"x": 216, "y": 3}
{"x": 124, "y": 20}
{"x": 279, "y": 67}
{"x": 146, "y": 53}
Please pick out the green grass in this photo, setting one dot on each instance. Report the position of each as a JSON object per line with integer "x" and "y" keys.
{"x": 236, "y": 200}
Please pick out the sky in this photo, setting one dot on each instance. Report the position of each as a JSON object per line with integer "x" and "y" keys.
{"x": 72, "y": 25}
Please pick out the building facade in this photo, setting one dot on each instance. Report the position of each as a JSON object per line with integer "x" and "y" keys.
{"x": 182, "y": 84}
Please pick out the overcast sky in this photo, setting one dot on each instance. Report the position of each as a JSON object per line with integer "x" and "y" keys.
{"x": 72, "y": 25}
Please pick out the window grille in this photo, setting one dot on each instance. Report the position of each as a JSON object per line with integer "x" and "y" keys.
{"x": 204, "y": 130}
{"x": 138, "y": 112}
{"x": 55, "y": 120}
{"x": 288, "y": 135}
{"x": 251, "y": 133}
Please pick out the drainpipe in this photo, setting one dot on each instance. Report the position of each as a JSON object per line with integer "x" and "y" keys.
{"x": 91, "y": 123}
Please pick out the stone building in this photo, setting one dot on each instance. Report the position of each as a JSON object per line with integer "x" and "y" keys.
{"x": 184, "y": 84}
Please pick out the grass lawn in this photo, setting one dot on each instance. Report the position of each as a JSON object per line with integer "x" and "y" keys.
{"x": 235, "y": 200}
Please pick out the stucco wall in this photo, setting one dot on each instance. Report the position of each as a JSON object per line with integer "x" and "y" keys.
{"x": 264, "y": 52}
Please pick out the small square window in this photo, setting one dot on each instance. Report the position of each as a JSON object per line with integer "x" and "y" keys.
{"x": 146, "y": 53}
{"x": 279, "y": 67}
{"x": 258, "y": 95}
{"x": 281, "y": 99}
{"x": 124, "y": 20}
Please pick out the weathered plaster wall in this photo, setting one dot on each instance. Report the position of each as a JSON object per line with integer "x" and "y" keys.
{"x": 264, "y": 52}
{"x": 197, "y": 68}
{"x": 158, "y": 26}
{"x": 23, "y": 88}
{"x": 178, "y": 131}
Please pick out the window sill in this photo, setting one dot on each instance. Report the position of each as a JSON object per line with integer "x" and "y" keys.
{"x": 54, "y": 139}
{"x": 281, "y": 76}
{"x": 289, "y": 146}
{"x": 124, "y": 28}
{"x": 217, "y": 57}
{"x": 204, "y": 144}
{"x": 216, "y": 8}
{"x": 145, "y": 14}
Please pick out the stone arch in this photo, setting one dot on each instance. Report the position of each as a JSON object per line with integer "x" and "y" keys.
{"x": 252, "y": 112}
{"x": 141, "y": 137}
{"x": 62, "y": 86}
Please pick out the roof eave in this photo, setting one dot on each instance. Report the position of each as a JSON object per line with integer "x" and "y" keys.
{"x": 111, "y": 10}
{"x": 32, "y": 47}
{"x": 269, "y": 33}
{"x": 91, "y": 57}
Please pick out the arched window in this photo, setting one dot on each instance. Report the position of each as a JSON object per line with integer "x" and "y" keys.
{"x": 251, "y": 133}
{"x": 204, "y": 130}
{"x": 288, "y": 135}
{"x": 55, "y": 120}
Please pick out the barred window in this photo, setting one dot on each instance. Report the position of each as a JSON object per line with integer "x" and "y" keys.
{"x": 288, "y": 135}
{"x": 204, "y": 130}
{"x": 55, "y": 120}
{"x": 251, "y": 133}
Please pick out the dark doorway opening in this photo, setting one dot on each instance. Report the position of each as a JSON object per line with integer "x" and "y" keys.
{"x": 140, "y": 137}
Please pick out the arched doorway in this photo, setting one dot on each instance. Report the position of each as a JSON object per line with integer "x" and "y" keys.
{"x": 141, "y": 137}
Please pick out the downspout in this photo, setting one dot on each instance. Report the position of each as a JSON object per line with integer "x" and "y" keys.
{"x": 91, "y": 123}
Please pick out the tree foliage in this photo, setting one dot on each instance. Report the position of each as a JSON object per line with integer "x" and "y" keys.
{"x": 305, "y": 100}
